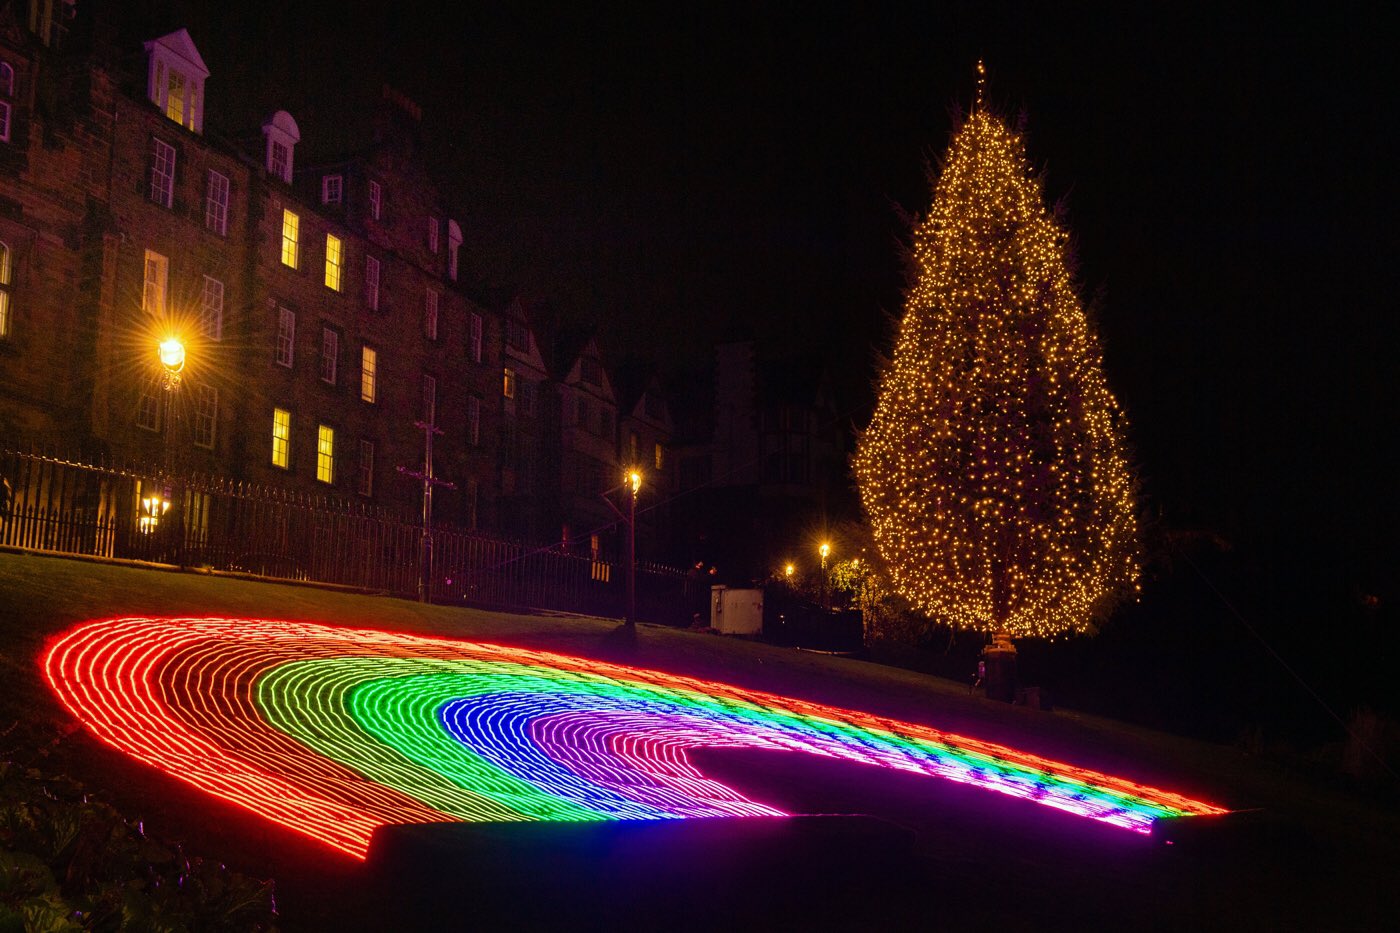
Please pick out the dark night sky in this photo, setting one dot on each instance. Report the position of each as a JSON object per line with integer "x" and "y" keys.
{"x": 674, "y": 173}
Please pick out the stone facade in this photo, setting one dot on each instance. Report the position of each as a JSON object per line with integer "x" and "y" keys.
{"x": 122, "y": 226}
{"x": 321, "y": 304}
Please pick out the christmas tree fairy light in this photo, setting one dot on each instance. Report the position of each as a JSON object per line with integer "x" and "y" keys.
{"x": 994, "y": 472}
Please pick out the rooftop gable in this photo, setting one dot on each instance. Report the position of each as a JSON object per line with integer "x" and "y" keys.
{"x": 178, "y": 44}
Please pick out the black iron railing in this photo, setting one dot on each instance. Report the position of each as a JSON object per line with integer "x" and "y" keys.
{"x": 196, "y": 520}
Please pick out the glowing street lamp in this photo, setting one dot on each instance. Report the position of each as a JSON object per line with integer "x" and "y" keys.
{"x": 788, "y": 571}
{"x": 824, "y": 550}
{"x": 172, "y": 360}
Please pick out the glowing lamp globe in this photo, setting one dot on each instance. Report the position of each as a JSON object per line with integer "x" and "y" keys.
{"x": 172, "y": 354}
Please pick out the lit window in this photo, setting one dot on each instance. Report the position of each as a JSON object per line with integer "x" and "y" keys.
{"x": 429, "y": 399}
{"x": 366, "y": 484}
{"x": 433, "y": 234}
{"x": 286, "y": 337}
{"x": 330, "y": 354}
{"x": 473, "y": 420}
{"x": 211, "y": 309}
{"x": 331, "y": 186}
{"x": 508, "y": 385}
{"x": 369, "y": 365}
{"x": 660, "y": 456}
{"x": 372, "y": 283}
{"x": 193, "y": 107}
{"x": 216, "y": 204}
{"x": 5, "y": 266}
{"x": 333, "y": 262}
{"x": 430, "y": 314}
{"x": 281, "y": 438}
{"x": 291, "y": 227}
{"x": 162, "y": 173}
{"x": 206, "y": 415}
{"x": 376, "y": 198}
{"x": 153, "y": 291}
{"x": 474, "y": 338}
{"x": 175, "y": 97}
{"x": 279, "y": 161}
{"x": 325, "y": 454}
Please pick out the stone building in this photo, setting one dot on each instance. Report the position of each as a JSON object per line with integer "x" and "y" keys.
{"x": 320, "y": 307}
{"x": 321, "y": 302}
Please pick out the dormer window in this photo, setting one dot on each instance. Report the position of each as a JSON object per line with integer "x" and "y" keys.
{"x": 175, "y": 98}
{"x": 282, "y": 136}
{"x": 175, "y": 79}
{"x": 331, "y": 188}
{"x": 279, "y": 161}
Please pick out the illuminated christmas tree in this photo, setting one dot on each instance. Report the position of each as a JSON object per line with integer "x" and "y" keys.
{"x": 994, "y": 472}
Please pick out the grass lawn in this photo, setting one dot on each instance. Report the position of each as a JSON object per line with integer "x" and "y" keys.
{"x": 1324, "y": 854}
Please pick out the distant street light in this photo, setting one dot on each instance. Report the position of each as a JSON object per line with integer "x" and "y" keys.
{"x": 824, "y": 550}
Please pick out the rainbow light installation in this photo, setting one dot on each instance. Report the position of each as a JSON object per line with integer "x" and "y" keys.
{"x": 333, "y": 732}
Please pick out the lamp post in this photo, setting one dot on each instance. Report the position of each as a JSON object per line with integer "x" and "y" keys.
{"x": 634, "y": 479}
{"x": 426, "y": 477}
{"x": 633, "y": 482}
{"x": 824, "y": 550}
{"x": 171, "y": 352}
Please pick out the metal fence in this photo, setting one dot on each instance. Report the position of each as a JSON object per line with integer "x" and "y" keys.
{"x": 55, "y": 504}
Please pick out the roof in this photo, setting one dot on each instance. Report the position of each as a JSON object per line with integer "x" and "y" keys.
{"x": 179, "y": 44}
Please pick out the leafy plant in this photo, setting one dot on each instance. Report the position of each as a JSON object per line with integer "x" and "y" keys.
{"x": 71, "y": 863}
